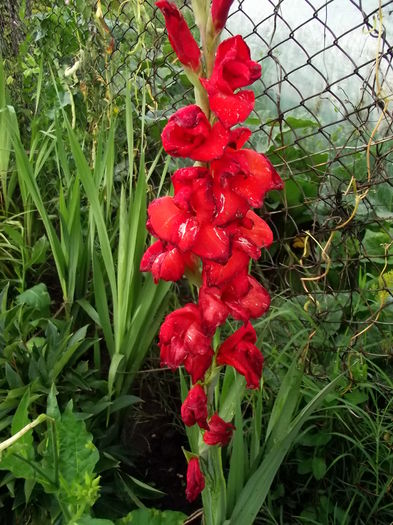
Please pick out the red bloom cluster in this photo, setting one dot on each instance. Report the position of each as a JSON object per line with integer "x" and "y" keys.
{"x": 209, "y": 224}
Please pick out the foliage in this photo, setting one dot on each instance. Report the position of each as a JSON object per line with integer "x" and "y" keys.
{"x": 78, "y": 161}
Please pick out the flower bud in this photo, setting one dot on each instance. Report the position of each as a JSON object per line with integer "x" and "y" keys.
{"x": 180, "y": 36}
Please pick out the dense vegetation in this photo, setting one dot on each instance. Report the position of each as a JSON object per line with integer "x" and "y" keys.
{"x": 80, "y": 158}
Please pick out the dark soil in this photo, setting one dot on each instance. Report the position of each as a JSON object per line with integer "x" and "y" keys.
{"x": 157, "y": 436}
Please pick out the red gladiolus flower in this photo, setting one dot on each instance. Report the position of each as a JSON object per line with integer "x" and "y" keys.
{"x": 188, "y": 133}
{"x": 249, "y": 305}
{"x": 219, "y": 433}
{"x": 233, "y": 69}
{"x": 165, "y": 262}
{"x": 171, "y": 224}
{"x": 186, "y": 182}
{"x": 214, "y": 310}
{"x": 236, "y": 267}
{"x": 252, "y": 234}
{"x": 181, "y": 337}
{"x": 197, "y": 362}
{"x": 195, "y": 480}
{"x": 240, "y": 352}
{"x": 183, "y": 229}
{"x": 247, "y": 173}
{"x": 242, "y": 297}
{"x": 194, "y": 408}
{"x": 180, "y": 36}
{"x": 212, "y": 244}
{"x": 231, "y": 109}
{"x": 210, "y": 200}
{"x": 220, "y": 10}
{"x": 238, "y": 137}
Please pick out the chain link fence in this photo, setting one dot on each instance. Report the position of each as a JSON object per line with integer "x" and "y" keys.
{"x": 323, "y": 115}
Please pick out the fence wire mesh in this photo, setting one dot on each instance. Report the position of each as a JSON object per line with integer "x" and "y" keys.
{"x": 322, "y": 115}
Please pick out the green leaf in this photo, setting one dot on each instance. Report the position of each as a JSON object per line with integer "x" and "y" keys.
{"x": 93, "y": 197}
{"x": 115, "y": 362}
{"x": 88, "y": 520}
{"x": 21, "y": 418}
{"x": 36, "y": 297}
{"x": 152, "y": 517}
{"x": 374, "y": 243}
{"x": 123, "y": 402}
{"x": 299, "y": 123}
{"x": 285, "y": 403}
{"x": 381, "y": 198}
{"x": 77, "y": 453}
{"x": 318, "y": 467}
{"x": 304, "y": 466}
{"x": 357, "y": 397}
{"x": 238, "y": 466}
{"x": 257, "y": 487}
{"x": 29, "y": 187}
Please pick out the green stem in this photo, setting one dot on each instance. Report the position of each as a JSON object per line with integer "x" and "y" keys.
{"x": 214, "y": 495}
{"x": 55, "y": 451}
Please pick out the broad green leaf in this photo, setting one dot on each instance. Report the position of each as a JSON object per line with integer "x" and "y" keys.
{"x": 318, "y": 467}
{"x": 238, "y": 462}
{"x": 257, "y": 487}
{"x": 152, "y": 517}
{"x": 285, "y": 403}
{"x": 123, "y": 402}
{"x": 36, "y": 297}
{"x": 77, "y": 453}
{"x": 75, "y": 343}
{"x": 88, "y": 520}
{"x": 21, "y": 417}
{"x": 115, "y": 363}
{"x": 374, "y": 243}
{"x": 298, "y": 123}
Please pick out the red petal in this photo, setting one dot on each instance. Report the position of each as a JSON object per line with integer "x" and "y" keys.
{"x": 240, "y": 352}
{"x": 217, "y": 274}
{"x": 260, "y": 178}
{"x": 165, "y": 219}
{"x": 212, "y": 243}
{"x": 150, "y": 256}
{"x": 214, "y": 145}
{"x": 214, "y": 311}
{"x": 194, "y": 408}
{"x": 220, "y": 10}
{"x": 219, "y": 433}
{"x": 238, "y": 137}
{"x": 201, "y": 200}
{"x": 252, "y": 305}
{"x": 252, "y": 234}
{"x": 168, "y": 266}
{"x": 197, "y": 364}
{"x": 232, "y": 109}
{"x": 185, "y": 131}
{"x": 229, "y": 206}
